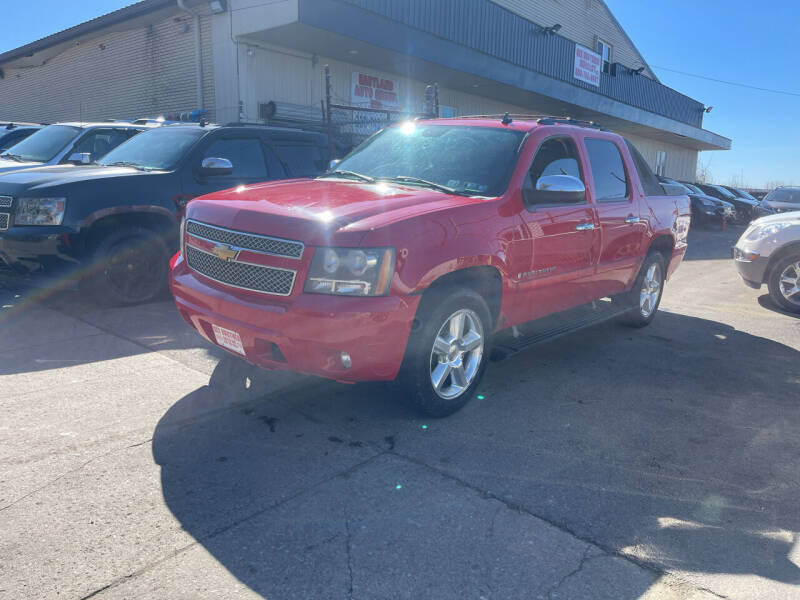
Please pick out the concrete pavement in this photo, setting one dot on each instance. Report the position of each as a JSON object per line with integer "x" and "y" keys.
{"x": 137, "y": 461}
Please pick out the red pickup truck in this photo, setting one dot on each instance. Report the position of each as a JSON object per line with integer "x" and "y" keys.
{"x": 431, "y": 239}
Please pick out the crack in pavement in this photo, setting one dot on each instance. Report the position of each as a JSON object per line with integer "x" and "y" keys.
{"x": 607, "y": 550}
{"x": 348, "y": 542}
{"x": 581, "y": 564}
{"x": 199, "y": 541}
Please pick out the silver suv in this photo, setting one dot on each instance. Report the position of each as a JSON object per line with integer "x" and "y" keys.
{"x": 769, "y": 252}
{"x": 67, "y": 143}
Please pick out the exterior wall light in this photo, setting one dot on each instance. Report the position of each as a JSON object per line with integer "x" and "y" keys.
{"x": 218, "y": 6}
{"x": 552, "y": 29}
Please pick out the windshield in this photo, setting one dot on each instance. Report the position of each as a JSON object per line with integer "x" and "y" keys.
{"x": 157, "y": 149}
{"x": 44, "y": 145}
{"x": 788, "y": 195}
{"x": 723, "y": 191}
{"x": 744, "y": 194}
{"x": 694, "y": 189}
{"x": 469, "y": 160}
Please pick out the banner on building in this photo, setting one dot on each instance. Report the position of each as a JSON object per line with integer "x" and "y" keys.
{"x": 587, "y": 65}
{"x": 371, "y": 91}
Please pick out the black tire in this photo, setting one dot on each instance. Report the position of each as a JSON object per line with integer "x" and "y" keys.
{"x": 415, "y": 378}
{"x": 635, "y": 314}
{"x": 790, "y": 263}
{"x": 127, "y": 267}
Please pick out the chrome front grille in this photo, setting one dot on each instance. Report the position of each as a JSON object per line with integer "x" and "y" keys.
{"x": 247, "y": 276}
{"x": 5, "y": 201}
{"x": 4, "y": 218}
{"x": 250, "y": 241}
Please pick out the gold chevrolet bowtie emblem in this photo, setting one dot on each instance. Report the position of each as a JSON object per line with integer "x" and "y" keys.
{"x": 225, "y": 252}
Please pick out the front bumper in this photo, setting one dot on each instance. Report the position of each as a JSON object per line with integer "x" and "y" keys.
{"x": 751, "y": 266}
{"x": 306, "y": 333}
{"x": 31, "y": 248}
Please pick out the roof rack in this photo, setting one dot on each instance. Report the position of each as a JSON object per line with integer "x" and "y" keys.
{"x": 570, "y": 121}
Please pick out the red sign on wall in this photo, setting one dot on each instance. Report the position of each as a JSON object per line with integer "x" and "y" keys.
{"x": 587, "y": 65}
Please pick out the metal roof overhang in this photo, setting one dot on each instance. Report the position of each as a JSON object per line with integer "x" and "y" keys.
{"x": 334, "y": 29}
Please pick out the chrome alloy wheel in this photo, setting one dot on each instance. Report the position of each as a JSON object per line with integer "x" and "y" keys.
{"x": 651, "y": 288}
{"x": 789, "y": 283}
{"x": 457, "y": 353}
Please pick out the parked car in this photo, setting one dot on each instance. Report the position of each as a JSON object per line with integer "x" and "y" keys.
{"x": 13, "y": 133}
{"x": 768, "y": 252}
{"x": 424, "y": 241}
{"x": 114, "y": 224}
{"x": 780, "y": 200}
{"x": 67, "y": 143}
{"x": 740, "y": 193}
{"x": 706, "y": 210}
{"x": 746, "y": 210}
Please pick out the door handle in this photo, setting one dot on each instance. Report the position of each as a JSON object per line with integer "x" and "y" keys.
{"x": 584, "y": 227}
{"x": 631, "y": 219}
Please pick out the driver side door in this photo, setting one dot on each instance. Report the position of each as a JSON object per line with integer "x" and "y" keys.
{"x": 563, "y": 237}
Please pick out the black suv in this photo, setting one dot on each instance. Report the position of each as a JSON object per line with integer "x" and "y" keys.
{"x": 114, "y": 224}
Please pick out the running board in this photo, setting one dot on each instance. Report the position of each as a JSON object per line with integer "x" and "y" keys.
{"x": 516, "y": 339}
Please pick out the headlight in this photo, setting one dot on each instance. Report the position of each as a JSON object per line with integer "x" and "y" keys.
{"x": 351, "y": 271}
{"x": 762, "y": 231}
{"x": 40, "y": 211}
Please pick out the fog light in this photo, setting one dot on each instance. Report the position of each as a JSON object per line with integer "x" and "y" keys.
{"x": 345, "y": 358}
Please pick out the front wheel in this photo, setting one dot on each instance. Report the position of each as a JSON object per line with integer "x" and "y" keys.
{"x": 645, "y": 296}
{"x": 129, "y": 266}
{"x": 784, "y": 283}
{"x": 447, "y": 351}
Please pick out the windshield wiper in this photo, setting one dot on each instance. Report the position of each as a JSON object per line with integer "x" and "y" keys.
{"x": 431, "y": 184}
{"x": 125, "y": 163}
{"x": 15, "y": 157}
{"x": 345, "y": 173}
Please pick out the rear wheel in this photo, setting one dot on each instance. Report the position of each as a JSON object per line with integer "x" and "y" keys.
{"x": 784, "y": 282}
{"x": 447, "y": 351}
{"x": 127, "y": 267}
{"x": 644, "y": 298}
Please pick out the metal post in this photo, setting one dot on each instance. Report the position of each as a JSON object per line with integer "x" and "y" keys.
{"x": 328, "y": 111}
{"x": 435, "y": 99}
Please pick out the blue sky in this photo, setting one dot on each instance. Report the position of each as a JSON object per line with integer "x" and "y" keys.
{"x": 742, "y": 42}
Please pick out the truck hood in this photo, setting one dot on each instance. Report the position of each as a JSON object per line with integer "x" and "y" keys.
{"x": 42, "y": 178}
{"x": 7, "y": 166}
{"x": 315, "y": 209}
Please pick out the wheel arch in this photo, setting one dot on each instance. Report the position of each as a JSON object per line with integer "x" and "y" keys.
{"x": 779, "y": 254}
{"x": 485, "y": 280}
{"x": 154, "y": 218}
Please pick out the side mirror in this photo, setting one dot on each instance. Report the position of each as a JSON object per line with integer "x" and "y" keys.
{"x": 80, "y": 158}
{"x": 555, "y": 189}
{"x": 214, "y": 167}
{"x": 334, "y": 163}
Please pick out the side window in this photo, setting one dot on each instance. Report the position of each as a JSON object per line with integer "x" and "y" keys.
{"x": 649, "y": 182}
{"x": 99, "y": 142}
{"x": 556, "y": 156}
{"x": 276, "y": 170}
{"x": 608, "y": 171}
{"x": 245, "y": 155}
{"x": 302, "y": 160}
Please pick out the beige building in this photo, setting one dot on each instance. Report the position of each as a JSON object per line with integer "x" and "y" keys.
{"x": 263, "y": 60}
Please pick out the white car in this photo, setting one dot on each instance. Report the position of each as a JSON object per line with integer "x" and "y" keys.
{"x": 68, "y": 143}
{"x": 769, "y": 252}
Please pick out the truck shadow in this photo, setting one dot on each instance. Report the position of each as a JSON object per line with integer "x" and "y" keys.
{"x": 766, "y": 302}
{"x": 675, "y": 446}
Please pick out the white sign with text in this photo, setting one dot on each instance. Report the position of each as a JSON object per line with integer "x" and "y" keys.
{"x": 587, "y": 65}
